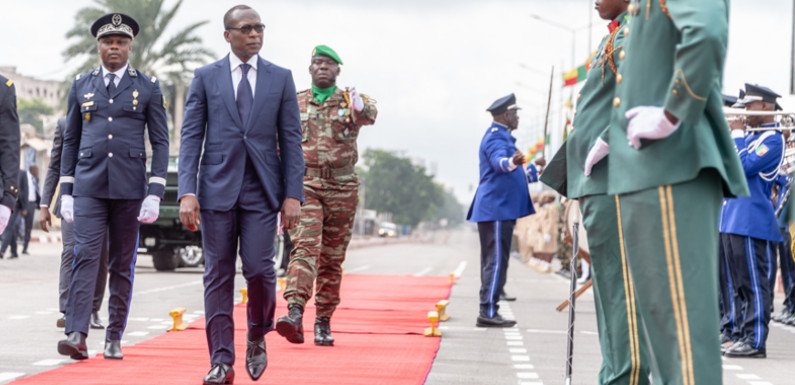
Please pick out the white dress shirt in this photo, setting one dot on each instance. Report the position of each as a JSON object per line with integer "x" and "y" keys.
{"x": 31, "y": 188}
{"x": 118, "y": 74}
{"x": 237, "y": 73}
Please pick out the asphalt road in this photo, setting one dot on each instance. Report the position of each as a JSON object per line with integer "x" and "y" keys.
{"x": 533, "y": 353}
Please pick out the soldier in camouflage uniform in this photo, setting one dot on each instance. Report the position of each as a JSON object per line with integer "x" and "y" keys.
{"x": 330, "y": 123}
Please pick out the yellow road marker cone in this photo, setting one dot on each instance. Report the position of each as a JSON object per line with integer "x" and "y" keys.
{"x": 452, "y": 279}
{"x": 244, "y": 293}
{"x": 433, "y": 331}
{"x": 441, "y": 308}
{"x": 282, "y": 283}
{"x": 176, "y": 315}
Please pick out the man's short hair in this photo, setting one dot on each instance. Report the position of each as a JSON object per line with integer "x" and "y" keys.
{"x": 228, "y": 14}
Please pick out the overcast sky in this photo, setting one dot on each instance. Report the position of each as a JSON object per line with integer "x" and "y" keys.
{"x": 433, "y": 66}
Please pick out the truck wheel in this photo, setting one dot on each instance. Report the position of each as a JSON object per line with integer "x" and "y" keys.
{"x": 165, "y": 260}
{"x": 190, "y": 256}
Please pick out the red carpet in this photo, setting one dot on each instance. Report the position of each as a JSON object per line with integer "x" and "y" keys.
{"x": 378, "y": 340}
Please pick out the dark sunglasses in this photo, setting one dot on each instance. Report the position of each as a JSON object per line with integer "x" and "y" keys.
{"x": 246, "y": 29}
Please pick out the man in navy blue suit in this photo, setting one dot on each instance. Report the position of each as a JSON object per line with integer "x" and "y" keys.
{"x": 502, "y": 197}
{"x": 240, "y": 164}
{"x": 103, "y": 178}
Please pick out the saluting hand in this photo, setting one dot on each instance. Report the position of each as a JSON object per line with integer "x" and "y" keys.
{"x": 189, "y": 212}
{"x": 291, "y": 211}
{"x": 45, "y": 220}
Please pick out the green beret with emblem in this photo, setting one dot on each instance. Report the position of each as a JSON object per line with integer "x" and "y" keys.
{"x": 324, "y": 50}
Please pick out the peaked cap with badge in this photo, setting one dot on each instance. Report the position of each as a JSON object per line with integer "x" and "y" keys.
{"x": 115, "y": 24}
{"x": 755, "y": 92}
{"x": 503, "y": 104}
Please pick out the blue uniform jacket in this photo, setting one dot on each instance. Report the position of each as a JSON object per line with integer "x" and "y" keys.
{"x": 761, "y": 155}
{"x": 103, "y": 142}
{"x": 216, "y": 141}
{"x": 784, "y": 183}
{"x": 502, "y": 195}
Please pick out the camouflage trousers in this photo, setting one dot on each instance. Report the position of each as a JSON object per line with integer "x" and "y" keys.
{"x": 320, "y": 241}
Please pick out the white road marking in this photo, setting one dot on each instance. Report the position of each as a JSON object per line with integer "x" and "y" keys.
{"x": 43, "y": 312}
{"x": 518, "y": 350}
{"x": 157, "y": 319}
{"x": 732, "y": 367}
{"x": 422, "y": 272}
{"x": 158, "y": 327}
{"x": 513, "y": 337}
{"x": 530, "y": 383}
{"x": 136, "y": 334}
{"x": 460, "y": 269}
{"x": 357, "y": 269}
{"x": 5, "y": 376}
{"x": 527, "y": 375}
{"x": 520, "y": 358}
{"x": 760, "y": 383}
{"x": 747, "y": 376}
{"x": 138, "y": 319}
{"x": 51, "y": 362}
{"x": 542, "y": 331}
{"x": 167, "y": 288}
{"x": 523, "y": 366}
{"x": 18, "y": 317}
{"x": 514, "y": 343}
{"x": 199, "y": 312}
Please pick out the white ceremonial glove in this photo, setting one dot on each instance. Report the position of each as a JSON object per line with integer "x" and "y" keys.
{"x": 5, "y": 215}
{"x": 68, "y": 208}
{"x": 648, "y": 123}
{"x": 356, "y": 100}
{"x": 598, "y": 151}
{"x": 150, "y": 209}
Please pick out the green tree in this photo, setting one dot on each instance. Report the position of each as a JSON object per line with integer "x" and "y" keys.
{"x": 450, "y": 209}
{"x": 31, "y": 111}
{"x": 397, "y": 186}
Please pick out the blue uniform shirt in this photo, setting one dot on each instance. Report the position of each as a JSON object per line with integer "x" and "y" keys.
{"x": 761, "y": 154}
{"x": 103, "y": 145}
{"x": 502, "y": 193}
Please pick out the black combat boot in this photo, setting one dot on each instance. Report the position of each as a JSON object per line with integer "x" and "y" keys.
{"x": 291, "y": 326}
{"x": 323, "y": 332}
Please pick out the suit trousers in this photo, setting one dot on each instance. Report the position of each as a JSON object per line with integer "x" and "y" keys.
{"x": 96, "y": 218}
{"x": 624, "y": 358}
{"x": 253, "y": 223}
{"x": 67, "y": 262}
{"x": 29, "y": 219}
{"x": 495, "y": 247}
{"x": 669, "y": 235}
{"x": 751, "y": 260}
{"x": 787, "y": 264}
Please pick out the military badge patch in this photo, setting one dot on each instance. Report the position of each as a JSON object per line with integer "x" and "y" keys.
{"x": 9, "y": 83}
{"x": 761, "y": 150}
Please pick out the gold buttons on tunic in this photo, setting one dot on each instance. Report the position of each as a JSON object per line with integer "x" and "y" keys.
{"x": 619, "y": 78}
{"x": 622, "y": 54}
{"x": 110, "y": 155}
{"x": 675, "y": 92}
{"x": 626, "y": 31}
{"x": 616, "y": 102}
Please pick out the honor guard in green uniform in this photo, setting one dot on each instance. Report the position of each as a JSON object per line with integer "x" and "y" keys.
{"x": 9, "y": 150}
{"x": 672, "y": 160}
{"x": 624, "y": 358}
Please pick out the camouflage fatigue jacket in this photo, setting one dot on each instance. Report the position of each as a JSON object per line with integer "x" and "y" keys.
{"x": 329, "y": 131}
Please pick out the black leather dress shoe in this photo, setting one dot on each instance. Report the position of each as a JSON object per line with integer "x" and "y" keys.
{"x": 505, "y": 297}
{"x": 61, "y": 322}
{"x": 291, "y": 326}
{"x": 323, "y": 332}
{"x": 494, "y": 322}
{"x": 74, "y": 346}
{"x": 745, "y": 350}
{"x": 113, "y": 350}
{"x": 220, "y": 374}
{"x": 256, "y": 358}
{"x": 95, "y": 322}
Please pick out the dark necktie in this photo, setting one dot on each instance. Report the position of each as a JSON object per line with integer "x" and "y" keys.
{"x": 245, "y": 97}
{"x": 111, "y": 84}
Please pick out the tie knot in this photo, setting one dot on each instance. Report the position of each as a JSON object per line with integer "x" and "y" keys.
{"x": 111, "y": 76}
{"x": 245, "y": 67}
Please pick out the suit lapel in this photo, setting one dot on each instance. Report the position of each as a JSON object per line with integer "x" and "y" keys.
{"x": 224, "y": 76}
{"x": 99, "y": 85}
{"x": 263, "y": 75}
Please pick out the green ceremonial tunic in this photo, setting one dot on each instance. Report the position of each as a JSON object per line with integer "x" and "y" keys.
{"x": 670, "y": 190}
{"x": 624, "y": 358}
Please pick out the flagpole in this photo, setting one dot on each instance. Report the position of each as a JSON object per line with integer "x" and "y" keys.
{"x": 546, "y": 116}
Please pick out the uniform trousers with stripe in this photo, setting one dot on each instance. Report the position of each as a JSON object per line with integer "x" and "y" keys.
{"x": 495, "y": 247}
{"x": 624, "y": 357}
{"x": 669, "y": 235}
{"x": 787, "y": 264}
{"x": 94, "y": 217}
{"x": 729, "y": 308}
{"x": 752, "y": 263}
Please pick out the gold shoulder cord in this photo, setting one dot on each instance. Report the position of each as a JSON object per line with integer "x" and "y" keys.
{"x": 607, "y": 55}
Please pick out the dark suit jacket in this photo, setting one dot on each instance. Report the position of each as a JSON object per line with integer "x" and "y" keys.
{"x": 54, "y": 170}
{"x": 9, "y": 143}
{"x": 216, "y": 141}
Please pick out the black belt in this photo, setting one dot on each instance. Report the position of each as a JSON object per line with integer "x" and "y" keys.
{"x": 329, "y": 172}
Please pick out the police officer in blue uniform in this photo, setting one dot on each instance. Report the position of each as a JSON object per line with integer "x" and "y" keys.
{"x": 9, "y": 150}
{"x": 103, "y": 178}
{"x": 502, "y": 197}
{"x": 749, "y": 228}
{"x": 783, "y": 195}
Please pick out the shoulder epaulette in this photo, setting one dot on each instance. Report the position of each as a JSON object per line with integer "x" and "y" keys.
{"x": 132, "y": 72}
{"x": 154, "y": 79}
{"x": 95, "y": 72}
{"x": 9, "y": 83}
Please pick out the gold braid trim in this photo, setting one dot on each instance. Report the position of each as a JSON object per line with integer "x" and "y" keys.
{"x": 664, "y": 8}
{"x": 607, "y": 54}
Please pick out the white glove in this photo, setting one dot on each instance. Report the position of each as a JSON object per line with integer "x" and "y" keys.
{"x": 150, "y": 209}
{"x": 68, "y": 208}
{"x": 356, "y": 100}
{"x": 5, "y": 215}
{"x": 648, "y": 123}
{"x": 598, "y": 151}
